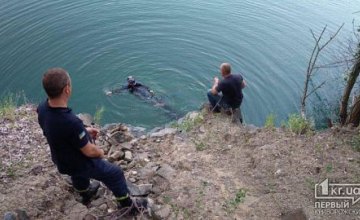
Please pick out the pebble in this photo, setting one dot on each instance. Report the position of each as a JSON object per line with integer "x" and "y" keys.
{"x": 133, "y": 180}
{"x": 278, "y": 172}
{"x": 134, "y": 142}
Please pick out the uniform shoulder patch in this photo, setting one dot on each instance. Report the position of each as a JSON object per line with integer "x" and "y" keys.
{"x": 82, "y": 135}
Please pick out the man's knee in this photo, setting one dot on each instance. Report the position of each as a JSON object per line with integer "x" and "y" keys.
{"x": 113, "y": 169}
{"x": 213, "y": 97}
{"x": 118, "y": 171}
{"x": 107, "y": 169}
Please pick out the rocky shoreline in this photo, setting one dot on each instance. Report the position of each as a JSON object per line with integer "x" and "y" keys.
{"x": 201, "y": 167}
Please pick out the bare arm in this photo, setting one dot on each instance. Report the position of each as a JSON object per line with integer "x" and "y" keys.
{"x": 243, "y": 84}
{"x": 90, "y": 150}
{"x": 215, "y": 85}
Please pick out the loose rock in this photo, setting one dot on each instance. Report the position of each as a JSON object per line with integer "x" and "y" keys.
{"x": 163, "y": 132}
{"x": 9, "y": 216}
{"x": 166, "y": 171}
{"x": 162, "y": 212}
{"x": 117, "y": 155}
{"x": 128, "y": 156}
{"x": 139, "y": 190}
{"x": 120, "y": 137}
{"x": 22, "y": 215}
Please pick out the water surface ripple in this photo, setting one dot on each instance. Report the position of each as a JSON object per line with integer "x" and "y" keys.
{"x": 174, "y": 47}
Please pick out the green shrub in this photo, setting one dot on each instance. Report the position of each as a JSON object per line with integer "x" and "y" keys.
{"x": 355, "y": 143}
{"x": 298, "y": 124}
{"x": 200, "y": 146}
{"x": 329, "y": 168}
{"x": 231, "y": 205}
{"x": 270, "y": 121}
{"x": 189, "y": 123}
{"x": 8, "y": 105}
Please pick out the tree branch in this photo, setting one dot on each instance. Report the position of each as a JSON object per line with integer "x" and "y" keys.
{"x": 312, "y": 62}
{"x": 332, "y": 37}
{"x": 316, "y": 88}
{"x": 334, "y": 64}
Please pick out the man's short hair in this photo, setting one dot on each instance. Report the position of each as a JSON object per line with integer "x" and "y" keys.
{"x": 226, "y": 67}
{"x": 54, "y": 81}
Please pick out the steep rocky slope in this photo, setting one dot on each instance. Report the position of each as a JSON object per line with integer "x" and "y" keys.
{"x": 205, "y": 167}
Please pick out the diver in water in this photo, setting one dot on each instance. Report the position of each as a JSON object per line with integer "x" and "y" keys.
{"x": 144, "y": 93}
{"x": 134, "y": 87}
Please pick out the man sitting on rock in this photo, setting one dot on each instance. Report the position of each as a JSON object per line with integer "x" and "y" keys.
{"x": 231, "y": 88}
{"x": 72, "y": 149}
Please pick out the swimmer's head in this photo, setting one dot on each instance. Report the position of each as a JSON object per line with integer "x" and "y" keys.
{"x": 131, "y": 80}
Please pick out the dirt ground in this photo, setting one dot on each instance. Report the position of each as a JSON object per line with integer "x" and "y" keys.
{"x": 213, "y": 170}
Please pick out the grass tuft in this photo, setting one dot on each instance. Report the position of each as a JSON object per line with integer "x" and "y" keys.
{"x": 8, "y": 105}
{"x": 232, "y": 204}
{"x": 270, "y": 121}
{"x": 298, "y": 124}
{"x": 99, "y": 113}
{"x": 189, "y": 123}
{"x": 355, "y": 143}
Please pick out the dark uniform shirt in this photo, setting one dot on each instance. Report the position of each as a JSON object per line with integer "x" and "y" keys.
{"x": 65, "y": 134}
{"x": 231, "y": 90}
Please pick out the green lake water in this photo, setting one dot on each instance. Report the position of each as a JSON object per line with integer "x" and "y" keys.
{"x": 174, "y": 47}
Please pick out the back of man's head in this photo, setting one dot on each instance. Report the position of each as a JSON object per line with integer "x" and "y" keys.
{"x": 225, "y": 68}
{"x": 54, "y": 81}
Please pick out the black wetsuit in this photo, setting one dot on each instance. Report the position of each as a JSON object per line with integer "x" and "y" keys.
{"x": 146, "y": 94}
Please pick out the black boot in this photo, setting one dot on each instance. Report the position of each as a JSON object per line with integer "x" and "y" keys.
{"x": 133, "y": 206}
{"x": 90, "y": 193}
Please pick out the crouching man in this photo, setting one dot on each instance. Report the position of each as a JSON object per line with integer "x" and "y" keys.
{"x": 231, "y": 87}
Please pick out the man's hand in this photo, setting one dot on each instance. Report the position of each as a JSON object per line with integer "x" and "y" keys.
{"x": 93, "y": 132}
{"x": 216, "y": 80}
{"x": 243, "y": 84}
{"x": 91, "y": 150}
